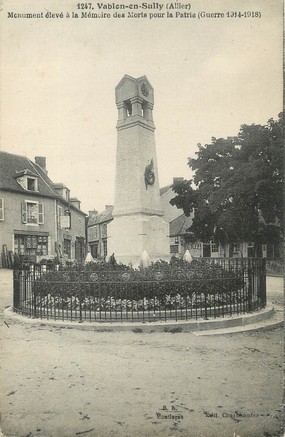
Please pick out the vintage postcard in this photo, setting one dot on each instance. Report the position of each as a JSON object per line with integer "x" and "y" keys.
{"x": 104, "y": 106}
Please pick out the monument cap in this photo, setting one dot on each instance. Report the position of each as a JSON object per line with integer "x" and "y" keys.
{"x": 129, "y": 87}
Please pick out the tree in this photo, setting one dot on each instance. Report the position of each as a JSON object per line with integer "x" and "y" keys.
{"x": 237, "y": 190}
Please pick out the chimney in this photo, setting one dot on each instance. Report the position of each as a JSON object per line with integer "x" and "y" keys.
{"x": 41, "y": 161}
{"x": 108, "y": 207}
{"x": 75, "y": 202}
{"x": 92, "y": 213}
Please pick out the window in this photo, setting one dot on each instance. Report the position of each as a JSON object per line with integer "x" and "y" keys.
{"x": 29, "y": 183}
{"x": 214, "y": 247}
{"x": 105, "y": 248}
{"x": 67, "y": 248}
{"x": 270, "y": 251}
{"x": 65, "y": 193}
{"x": 32, "y": 212}
{"x": 31, "y": 245}
{"x": 1, "y": 209}
{"x": 79, "y": 249}
{"x": 174, "y": 248}
{"x": 42, "y": 246}
{"x": 94, "y": 250}
{"x": 32, "y": 184}
{"x": 104, "y": 230}
{"x": 197, "y": 246}
{"x": 19, "y": 244}
{"x": 92, "y": 233}
{"x": 250, "y": 251}
{"x": 206, "y": 250}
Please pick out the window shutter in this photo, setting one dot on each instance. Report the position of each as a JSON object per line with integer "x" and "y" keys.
{"x": 41, "y": 213}
{"x": 1, "y": 209}
{"x": 24, "y": 212}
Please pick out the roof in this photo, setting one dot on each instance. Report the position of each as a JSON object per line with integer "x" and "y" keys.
{"x": 164, "y": 190}
{"x": 26, "y": 172}
{"x": 180, "y": 225}
{"x": 59, "y": 185}
{"x": 101, "y": 217}
{"x": 13, "y": 166}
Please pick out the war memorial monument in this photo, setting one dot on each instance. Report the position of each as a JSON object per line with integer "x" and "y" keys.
{"x": 138, "y": 224}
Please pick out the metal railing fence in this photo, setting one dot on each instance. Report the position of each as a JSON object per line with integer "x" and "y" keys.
{"x": 238, "y": 286}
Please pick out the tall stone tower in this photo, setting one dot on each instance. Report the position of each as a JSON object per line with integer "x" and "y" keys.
{"x": 138, "y": 223}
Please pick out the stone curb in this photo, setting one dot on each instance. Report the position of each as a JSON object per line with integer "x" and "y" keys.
{"x": 239, "y": 329}
{"x": 223, "y": 325}
{"x": 275, "y": 321}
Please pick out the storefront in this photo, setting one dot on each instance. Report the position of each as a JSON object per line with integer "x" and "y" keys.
{"x": 33, "y": 245}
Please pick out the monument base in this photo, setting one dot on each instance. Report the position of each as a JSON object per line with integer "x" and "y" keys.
{"x": 129, "y": 236}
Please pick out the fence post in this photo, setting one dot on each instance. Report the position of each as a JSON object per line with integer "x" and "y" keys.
{"x": 16, "y": 289}
{"x": 33, "y": 292}
{"x": 263, "y": 283}
{"x": 250, "y": 284}
{"x": 80, "y": 306}
{"x": 206, "y": 309}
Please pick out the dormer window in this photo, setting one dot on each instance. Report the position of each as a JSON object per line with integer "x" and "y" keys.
{"x": 66, "y": 194}
{"x": 32, "y": 184}
{"x": 28, "y": 180}
{"x": 62, "y": 190}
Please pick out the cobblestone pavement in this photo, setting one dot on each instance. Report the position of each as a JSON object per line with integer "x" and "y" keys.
{"x": 59, "y": 382}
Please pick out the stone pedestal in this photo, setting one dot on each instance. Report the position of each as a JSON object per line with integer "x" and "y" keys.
{"x": 129, "y": 236}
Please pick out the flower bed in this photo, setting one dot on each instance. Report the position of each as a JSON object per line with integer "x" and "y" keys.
{"x": 102, "y": 286}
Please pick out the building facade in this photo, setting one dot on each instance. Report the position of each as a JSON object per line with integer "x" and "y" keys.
{"x": 38, "y": 219}
{"x": 180, "y": 236}
{"x": 97, "y": 231}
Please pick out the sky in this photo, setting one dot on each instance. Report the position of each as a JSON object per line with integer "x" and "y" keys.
{"x": 58, "y": 79}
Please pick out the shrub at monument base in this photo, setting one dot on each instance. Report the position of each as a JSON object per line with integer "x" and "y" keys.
{"x": 116, "y": 287}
